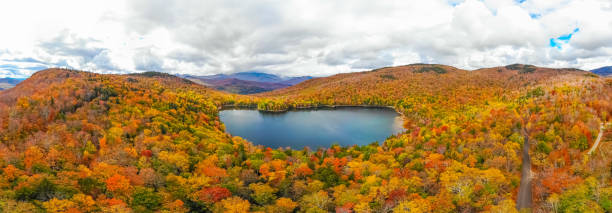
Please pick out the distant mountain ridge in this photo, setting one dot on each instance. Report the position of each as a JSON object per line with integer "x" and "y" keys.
{"x": 247, "y": 76}
{"x": 7, "y": 83}
{"x": 246, "y": 82}
{"x": 603, "y": 71}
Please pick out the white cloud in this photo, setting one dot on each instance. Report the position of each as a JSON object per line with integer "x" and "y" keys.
{"x": 301, "y": 37}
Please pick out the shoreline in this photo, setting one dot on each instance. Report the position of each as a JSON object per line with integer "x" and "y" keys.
{"x": 401, "y": 115}
{"x": 226, "y": 107}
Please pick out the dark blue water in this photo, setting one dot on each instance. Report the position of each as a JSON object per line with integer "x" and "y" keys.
{"x": 313, "y": 128}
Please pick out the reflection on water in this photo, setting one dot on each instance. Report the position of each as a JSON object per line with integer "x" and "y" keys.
{"x": 313, "y": 128}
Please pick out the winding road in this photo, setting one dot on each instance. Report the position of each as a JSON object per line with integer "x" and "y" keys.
{"x": 524, "y": 199}
{"x": 596, "y": 144}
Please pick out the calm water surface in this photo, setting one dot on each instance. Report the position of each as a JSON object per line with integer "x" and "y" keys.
{"x": 313, "y": 128}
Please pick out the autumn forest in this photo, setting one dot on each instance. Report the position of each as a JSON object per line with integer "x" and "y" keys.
{"x": 488, "y": 140}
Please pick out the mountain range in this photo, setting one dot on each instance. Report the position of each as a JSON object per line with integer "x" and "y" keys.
{"x": 246, "y": 82}
{"x": 6, "y": 83}
{"x": 603, "y": 71}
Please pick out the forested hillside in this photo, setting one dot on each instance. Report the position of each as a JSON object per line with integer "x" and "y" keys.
{"x": 83, "y": 142}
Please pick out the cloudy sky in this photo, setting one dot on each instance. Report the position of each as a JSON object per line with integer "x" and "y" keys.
{"x": 301, "y": 37}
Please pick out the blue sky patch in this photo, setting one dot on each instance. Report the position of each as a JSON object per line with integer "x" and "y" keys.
{"x": 563, "y": 39}
{"x": 7, "y": 66}
{"x": 454, "y": 3}
{"x": 36, "y": 68}
{"x": 553, "y": 43}
{"x": 26, "y": 60}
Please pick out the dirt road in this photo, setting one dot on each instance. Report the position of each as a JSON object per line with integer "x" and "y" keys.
{"x": 596, "y": 144}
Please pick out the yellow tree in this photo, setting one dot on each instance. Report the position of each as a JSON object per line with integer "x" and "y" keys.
{"x": 233, "y": 205}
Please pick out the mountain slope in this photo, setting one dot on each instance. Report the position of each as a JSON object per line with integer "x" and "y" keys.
{"x": 603, "y": 71}
{"x": 246, "y": 82}
{"x": 386, "y": 86}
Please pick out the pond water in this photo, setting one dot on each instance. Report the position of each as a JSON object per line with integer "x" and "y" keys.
{"x": 313, "y": 128}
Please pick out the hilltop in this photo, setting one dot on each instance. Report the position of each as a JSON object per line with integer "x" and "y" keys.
{"x": 47, "y": 81}
{"x": 386, "y": 86}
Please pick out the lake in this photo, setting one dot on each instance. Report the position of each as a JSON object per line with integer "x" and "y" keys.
{"x": 313, "y": 128}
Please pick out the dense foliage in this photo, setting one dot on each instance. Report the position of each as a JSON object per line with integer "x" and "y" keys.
{"x": 82, "y": 142}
